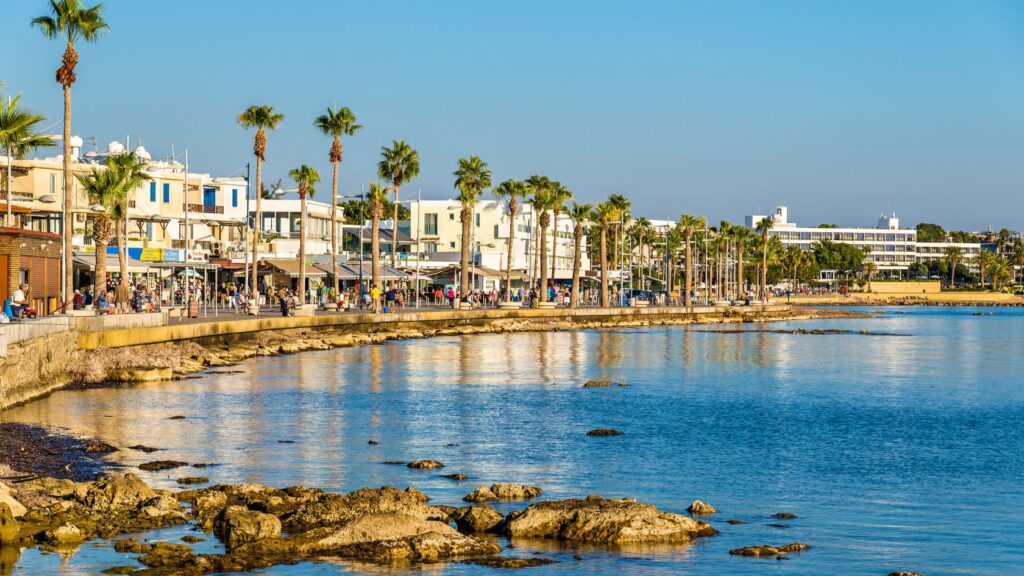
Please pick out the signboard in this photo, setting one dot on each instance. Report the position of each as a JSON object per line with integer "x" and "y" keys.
{"x": 174, "y": 255}
{"x": 152, "y": 255}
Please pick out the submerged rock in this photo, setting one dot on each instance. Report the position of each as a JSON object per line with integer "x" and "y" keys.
{"x": 605, "y": 432}
{"x": 118, "y": 491}
{"x": 158, "y": 465}
{"x": 476, "y": 518}
{"x": 146, "y": 449}
{"x": 97, "y": 447}
{"x": 698, "y": 508}
{"x": 193, "y": 480}
{"x": 236, "y": 525}
{"x": 425, "y": 464}
{"x": 509, "y": 563}
{"x": 64, "y": 534}
{"x": 505, "y": 492}
{"x": 766, "y": 551}
{"x": 336, "y": 509}
{"x": 457, "y": 477}
{"x": 784, "y": 515}
{"x": 603, "y": 384}
{"x": 905, "y": 574}
{"x": 604, "y": 521}
{"x": 735, "y": 522}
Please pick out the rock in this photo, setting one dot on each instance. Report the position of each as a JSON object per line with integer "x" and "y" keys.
{"x": 510, "y": 563}
{"x": 905, "y": 574}
{"x": 784, "y": 515}
{"x": 158, "y": 465}
{"x": 476, "y": 518}
{"x": 393, "y": 462}
{"x": 336, "y": 509}
{"x": 506, "y": 492}
{"x": 203, "y": 464}
{"x": 236, "y": 525}
{"x": 207, "y": 505}
{"x": 698, "y": 508}
{"x": 735, "y": 522}
{"x": 391, "y": 537}
{"x": 372, "y": 442}
{"x": 146, "y": 449}
{"x": 64, "y": 534}
{"x": 193, "y": 480}
{"x": 767, "y": 551}
{"x": 119, "y": 570}
{"x": 603, "y": 384}
{"x": 192, "y": 539}
{"x": 605, "y": 432}
{"x": 604, "y": 521}
{"x": 115, "y": 492}
{"x": 425, "y": 464}
{"x": 97, "y": 447}
{"x": 8, "y": 525}
{"x": 6, "y": 498}
{"x": 176, "y": 417}
{"x": 166, "y": 555}
{"x": 457, "y": 477}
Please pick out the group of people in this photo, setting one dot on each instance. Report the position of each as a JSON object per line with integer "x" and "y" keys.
{"x": 124, "y": 298}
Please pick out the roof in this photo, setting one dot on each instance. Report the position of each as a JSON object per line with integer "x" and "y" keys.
{"x": 350, "y": 271}
{"x": 384, "y": 234}
{"x": 291, "y": 267}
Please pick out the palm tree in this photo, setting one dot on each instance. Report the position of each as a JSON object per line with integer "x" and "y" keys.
{"x": 954, "y": 255}
{"x": 641, "y": 231}
{"x": 605, "y": 216}
{"x": 534, "y": 183}
{"x": 561, "y": 195}
{"x": 129, "y": 171}
{"x": 103, "y": 188}
{"x": 70, "y": 21}
{"x": 513, "y": 190}
{"x": 870, "y": 269}
{"x": 376, "y": 198}
{"x": 471, "y": 179}
{"x": 400, "y": 164}
{"x": 621, "y": 206}
{"x": 763, "y": 227}
{"x": 543, "y": 201}
{"x": 689, "y": 225}
{"x": 336, "y": 123}
{"x": 580, "y": 214}
{"x": 305, "y": 177}
{"x": 262, "y": 118}
{"x": 744, "y": 238}
{"x": 18, "y": 136}
{"x": 721, "y": 245}
{"x": 986, "y": 260}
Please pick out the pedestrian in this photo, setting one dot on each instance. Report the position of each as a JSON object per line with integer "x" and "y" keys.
{"x": 122, "y": 295}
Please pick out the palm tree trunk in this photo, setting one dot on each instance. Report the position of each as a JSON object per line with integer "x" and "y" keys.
{"x": 394, "y": 232}
{"x": 741, "y": 288}
{"x": 511, "y": 241}
{"x": 69, "y": 263}
{"x": 99, "y": 281}
{"x": 467, "y": 224}
{"x": 253, "y": 286}
{"x": 554, "y": 247}
{"x": 576, "y": 255}
{"x": 122, "y": 248}
{"x": 687, "y": 300}
{"x": 334, "y": 232}
{"x": 302, "y": 250}
{"x": 542, "y": 294}
{"x": 375, "y": 250}
{"x": 604, "y": 267}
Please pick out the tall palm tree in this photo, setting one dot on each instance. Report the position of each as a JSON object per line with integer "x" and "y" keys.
{"x": 70, "y": 21}
{"x": 400, "y": 164}
{"x": 471, "y": 179}
{"x": 986, "y": 260}
{"x": 513, "y": 190}
{"x": 621, "y": 206}
{"x": 102, "y": 187}
{"x": 376, "y": 199}
{"x": 605, "y": 216}
{"x": 543, "y": 200}
{"x": 690, "y": 224}
{"x": 580, "y": 214}
{"x": 870, "y": 269}
{"x": 954, "y": 256}
{"x": 643, "y": 229}
{"x": 262, "y": 118}
{"x": 534, "y": 183}
{"x": 561, "y": 195}
{"x": 336, "y": 123}
{"x": 129, "y": 171}
{"x": 744, "y": 238}
{"x": 306, "y": 178}
{"x": 19, "y": 135}
{"x": 765, "y": 225}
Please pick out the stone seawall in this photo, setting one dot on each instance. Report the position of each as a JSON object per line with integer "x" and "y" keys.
{"x": 39, "y": 366}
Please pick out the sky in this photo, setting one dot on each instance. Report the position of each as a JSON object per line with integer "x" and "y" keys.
{"x": 839, "y": 110}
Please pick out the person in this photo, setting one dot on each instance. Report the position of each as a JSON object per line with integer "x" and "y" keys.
{"x": 102, "y": 306}
{"x": 375, "y": 299}
{"x": 451, "y": 297}
{"x": 88, "y": 297}
{"x": 19, "y": 301}
{"x": 121, "y": 296}
{"x": 282, "y": 298}
{"x": 79, "y": 301}
{"x": 389, "y": 298}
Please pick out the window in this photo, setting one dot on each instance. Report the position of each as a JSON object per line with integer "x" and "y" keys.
{"x": 149, "y": 224}
{"x": 430, "y": 224}
{"x": 452, "y": 244}
{"x": 167, "y": 193}
{"x": 234, "y": 197}
{"x": 477, "y": 219}
{"x": 152, "y": 192}
{"x": 53, "y": 184}
{"x": 451, "y": 216}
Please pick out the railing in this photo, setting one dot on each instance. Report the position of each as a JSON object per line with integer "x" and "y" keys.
{"x": 203, "y": 208}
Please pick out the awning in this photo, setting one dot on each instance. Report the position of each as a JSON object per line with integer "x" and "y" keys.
{"x": 291, "y": 268}
{"x": 87, "y": 261}
{"x": 487, "y": 272}
{"x": 349, "y": 271}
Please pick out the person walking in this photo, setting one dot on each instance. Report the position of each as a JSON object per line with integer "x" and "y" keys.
{"x": 122, "y": 295}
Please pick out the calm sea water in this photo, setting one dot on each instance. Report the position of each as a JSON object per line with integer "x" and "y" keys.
{"x": 896, "y": 452}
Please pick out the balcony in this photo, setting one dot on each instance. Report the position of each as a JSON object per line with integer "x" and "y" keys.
{"x": 202, "y": 208}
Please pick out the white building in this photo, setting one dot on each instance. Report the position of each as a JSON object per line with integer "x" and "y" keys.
{"x": 280, "y": 226}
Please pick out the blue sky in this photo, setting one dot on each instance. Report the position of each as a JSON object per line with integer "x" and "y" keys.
{"x": 839, "y": 110}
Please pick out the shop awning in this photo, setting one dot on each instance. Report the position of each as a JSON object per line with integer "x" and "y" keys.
{"x": 291, "y": 268}
{"x": 87, "y": 261}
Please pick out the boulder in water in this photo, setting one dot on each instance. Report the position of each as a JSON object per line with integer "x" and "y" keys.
{"x": 337, "y": 509}
{"x": 425, "y": 464}
{"x": 505, "y": 492}
{"x": 767, "y": 551}
{"x": 115, "y": 492}
{"x": 476, "y": 518}
{"x": 236, "y": 525}
{"x": 698, "y": 508}
{"x": 605, "y": 432}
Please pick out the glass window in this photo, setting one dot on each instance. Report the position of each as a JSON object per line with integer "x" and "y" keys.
{"x": 234, "y": 197}
{"x": 152, "y": 192}
{"x": 167, "y": 193}
{"x": 430, "y": 224}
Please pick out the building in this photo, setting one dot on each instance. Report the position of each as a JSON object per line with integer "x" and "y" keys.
{"x": 280, "y": 225}
{"x": 929, "y": 251}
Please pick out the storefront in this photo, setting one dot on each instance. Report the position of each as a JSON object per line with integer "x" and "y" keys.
{"x": 33, "y": 258}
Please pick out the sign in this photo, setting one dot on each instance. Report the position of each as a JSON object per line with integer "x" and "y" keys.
{"x": 152, "y": 255}
{"x": 174, "y": 255}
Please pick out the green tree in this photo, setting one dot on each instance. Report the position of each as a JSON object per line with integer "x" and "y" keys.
{"x": 472, "y": 178}
{"x": 101, "y": 187}
{"x": 764, "y": 226}
{"x": 71, "y": 21}
{"x": 399, "y": 164}
{"x": 375, "y": 198}
{"x": 19, "y": 135}
{"x": 560, "y": 195}
{"x": 744, "y": 237}
{"x": 605, "y": 216}
{"x": 580, "y": 214}
{"x": 621, "y": 206}
{"x": 305, "y": 178}
{"x": 542, "y": 201}
{"x": 927, "y": 232}
{"x": 513, "y": 190}
{"x": 130, "y": 172}
{"x": 870, "y": 269}
{"x": 690, "y": 224}
{"x": 262, "y": 118}
{"x": 336, "y": 123}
